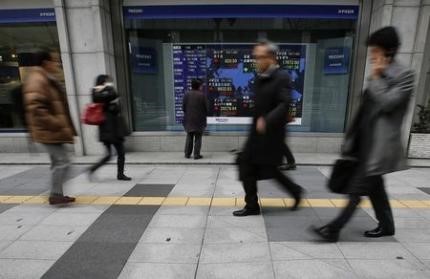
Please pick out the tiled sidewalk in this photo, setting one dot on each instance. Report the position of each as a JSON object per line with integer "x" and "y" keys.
{"x": 176, "y": 222}
{"x": 177, "y": 158}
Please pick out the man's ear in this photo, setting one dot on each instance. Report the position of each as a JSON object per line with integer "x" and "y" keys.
{"x": 44, "y": 63}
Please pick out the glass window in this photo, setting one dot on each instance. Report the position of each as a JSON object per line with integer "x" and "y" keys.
{"x": 165, "y": 54}
{"x": 18, "y": 43}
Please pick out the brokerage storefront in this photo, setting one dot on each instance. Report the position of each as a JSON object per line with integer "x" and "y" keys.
{"x": 172, "y": 44}
{"x": 154, "y": 48}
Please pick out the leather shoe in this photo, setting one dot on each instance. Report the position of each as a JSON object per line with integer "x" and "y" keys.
{"x": 378, "y": 232}
{"x": 288, "y": 167}
{"x": 246, "y": 212}
{"x": 123, "y": 177}
{"x": 327, "y": 233}
{"x": 61, "y": 200}
{"x": 298, "y": 199}
{"x": 198, "y": 157}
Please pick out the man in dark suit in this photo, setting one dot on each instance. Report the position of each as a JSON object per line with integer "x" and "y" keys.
{"x": 195, "y": 107}
{"x": 291, "y": 161}
{"x": 262, "y": 153}
{"x": 374, "y": 138}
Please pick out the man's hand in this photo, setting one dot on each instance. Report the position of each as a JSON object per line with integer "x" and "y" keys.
{"x": 261, "y": 125}
{"x": 379, "y": 66}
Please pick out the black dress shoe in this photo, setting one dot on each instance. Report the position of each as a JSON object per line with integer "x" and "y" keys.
{"x": 378, "y": 232}
{"x": 198, "y": 157}
{"x": 326, "y": 233}
{"x": 123, "y": 177}
{"x": 298, "y": 199}
{"x": 188, "y": 156}
{"x": 288, "y": 167}
{"x": 61, "y": 200}
{"x": 246, "y": 212}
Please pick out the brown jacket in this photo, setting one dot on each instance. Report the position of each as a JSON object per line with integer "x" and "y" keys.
{"x": 47, "y": 111}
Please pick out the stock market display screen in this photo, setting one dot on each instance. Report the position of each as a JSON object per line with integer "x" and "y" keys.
{"x": 228, "y": 71}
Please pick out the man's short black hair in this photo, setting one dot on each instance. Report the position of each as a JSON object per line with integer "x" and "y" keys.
{"x": 196, "y": 84}
{"x": 42, "y": 56}
{"x": 386, "y": 38}
{"x": 272, "y": 48}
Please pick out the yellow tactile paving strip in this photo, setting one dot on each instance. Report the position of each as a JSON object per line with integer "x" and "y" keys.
{"x": 207, "y": 201}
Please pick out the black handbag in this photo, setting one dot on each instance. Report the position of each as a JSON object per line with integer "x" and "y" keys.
{"x": 343, "y": 172}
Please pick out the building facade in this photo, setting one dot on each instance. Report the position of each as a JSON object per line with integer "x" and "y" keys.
{"x": 154, "y": 48}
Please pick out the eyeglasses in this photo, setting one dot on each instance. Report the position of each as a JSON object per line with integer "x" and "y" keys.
{"x": 260, "y": 57}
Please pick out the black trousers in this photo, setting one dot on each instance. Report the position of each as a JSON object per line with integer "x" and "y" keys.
{"x": 193, "y": 141}
{"x": 121, "y": 157}
{"x": 288, "y": 154}
{"x": 250, "y": 185}
{"x": 380, "y": 203}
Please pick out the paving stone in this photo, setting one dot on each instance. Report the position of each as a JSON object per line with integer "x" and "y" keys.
{"x": 282, "y": 251}
{"x": 419, "y": 250}
{"x": 53, "y": 233}
{"x": 173, "y": 235}
{"x": 183, "y": 210}
{"x": 182, "y": 221}
{"x": 23, "y": 269}
{"x": 302, "y": 269}
{"x": 220, "y": 221}
{"x": 389, "y": 269}
{"x": 374, "y": 251}
{"x": 235, "y": 235}
{"x": 165, "y": 253}
{"x": 235, "y": 252}
{"x": 35, "y": 250}
{"x": 157, "y": 271}
{"x": 260, "y": 270}
{"x": 13, "y": 232}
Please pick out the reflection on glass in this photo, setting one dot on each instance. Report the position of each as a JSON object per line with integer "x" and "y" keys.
{"x": 18, "y": 43}
{"x": 166, "y": 54}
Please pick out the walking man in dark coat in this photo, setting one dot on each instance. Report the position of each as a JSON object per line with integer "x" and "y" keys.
{"x": 262, "y": 153}
{"x": 375, "y": 136}
{"x": 195, "y": 107}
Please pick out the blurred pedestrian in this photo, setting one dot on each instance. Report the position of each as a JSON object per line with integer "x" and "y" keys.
{"x": 112, "y": 131}
{"x": 195, "y": 107}
{"x": 262, "y": 152}
{"x": 291, "y": 161}
{"x": 48, "y": 118}
{"x": 374, "y": 138}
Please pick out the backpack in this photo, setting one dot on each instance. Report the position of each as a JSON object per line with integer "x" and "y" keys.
{"x": 93, "y": 114}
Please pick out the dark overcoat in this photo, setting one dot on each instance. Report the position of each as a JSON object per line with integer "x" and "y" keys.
{"x": 195, "y": 107}
{"x": 113, "y": 129}
{"x": 272, "y": 100}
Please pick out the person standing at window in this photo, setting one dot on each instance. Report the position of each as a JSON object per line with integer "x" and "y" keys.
{"x": 112, "y": 131}
{"x": 195, "y": 107}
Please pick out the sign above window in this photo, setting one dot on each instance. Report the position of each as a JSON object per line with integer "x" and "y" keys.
{"x": 242, "y": 11}
{"x": 27, "y": 15}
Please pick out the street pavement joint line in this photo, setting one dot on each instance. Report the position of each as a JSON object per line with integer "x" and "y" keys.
{"x": 207, "y": 201}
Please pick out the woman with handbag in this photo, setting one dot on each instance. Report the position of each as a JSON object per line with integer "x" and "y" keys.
{"x": 374, "y": 139}
{"x": 112, "y": 131}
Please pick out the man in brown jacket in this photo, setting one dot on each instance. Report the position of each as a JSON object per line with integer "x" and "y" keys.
{"x": 48, "y": 119}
